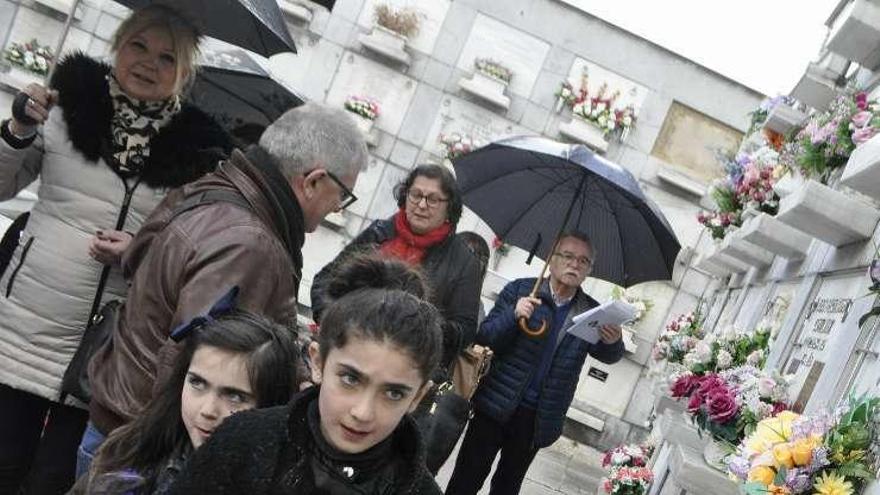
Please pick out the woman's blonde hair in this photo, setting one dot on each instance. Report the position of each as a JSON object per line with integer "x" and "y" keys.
{"x": 184, "y": 36}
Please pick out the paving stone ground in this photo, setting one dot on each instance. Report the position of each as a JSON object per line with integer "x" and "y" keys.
{"x": 564, "y": 467}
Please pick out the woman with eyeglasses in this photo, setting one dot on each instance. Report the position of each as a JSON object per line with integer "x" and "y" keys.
{"x": 422, "y": 233}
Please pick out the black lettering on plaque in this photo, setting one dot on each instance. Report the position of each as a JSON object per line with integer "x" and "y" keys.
{"x": 598, "y": 374}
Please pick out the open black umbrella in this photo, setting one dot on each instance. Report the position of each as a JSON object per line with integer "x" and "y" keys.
{"x": 241, "y": 96}
{"x": 255, "y": 25}
{"x": 530, "y": 189}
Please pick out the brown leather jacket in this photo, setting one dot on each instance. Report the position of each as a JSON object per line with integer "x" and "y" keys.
{"x": 179, "y": 268}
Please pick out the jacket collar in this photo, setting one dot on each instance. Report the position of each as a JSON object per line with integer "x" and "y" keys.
{"x": 407, "y": 441}
{"x": 185, "y": 149}
{"x": 274, "y": 203}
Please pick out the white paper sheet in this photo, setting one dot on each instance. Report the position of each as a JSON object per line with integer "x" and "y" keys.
{"x": 587, "y": 324}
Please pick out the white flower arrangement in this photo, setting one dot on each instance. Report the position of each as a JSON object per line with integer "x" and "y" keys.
{"x": 494, "y": 69}
{"x": 363, "y": 106}
{"x": 31, "y": 56}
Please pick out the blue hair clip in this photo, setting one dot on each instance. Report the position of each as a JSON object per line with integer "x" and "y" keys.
{"x": 223, "y": 305}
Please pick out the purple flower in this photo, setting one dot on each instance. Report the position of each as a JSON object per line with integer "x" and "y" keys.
{"x": 797, "y": 481}
{"x": 820, "y": 459}
{"x": 739, "y": 466}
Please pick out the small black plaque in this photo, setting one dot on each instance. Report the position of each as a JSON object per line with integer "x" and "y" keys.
{"x": 598, "y": 374}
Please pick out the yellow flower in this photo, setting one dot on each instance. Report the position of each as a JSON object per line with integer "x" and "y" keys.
{"x": 770, "y": 431}
{"x": 830, "y": 483}
{"x": 783, "y": 456}
{"x": 762, "y": 474}
{"x": 802, "y": 450}
{"x": 778, "y": 490}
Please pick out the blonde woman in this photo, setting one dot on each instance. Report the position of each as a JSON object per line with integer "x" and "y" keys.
{"x": 106, "y": 143}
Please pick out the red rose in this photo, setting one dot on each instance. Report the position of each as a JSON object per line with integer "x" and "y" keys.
{"x": 707, "y": 384}
{"x": 684, "y": 386}
{"x": 779, "y": 407}
{"x": 721, "y": 405}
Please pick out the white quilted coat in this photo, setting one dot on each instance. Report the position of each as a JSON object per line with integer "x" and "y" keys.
{"x": 47, "y": 290}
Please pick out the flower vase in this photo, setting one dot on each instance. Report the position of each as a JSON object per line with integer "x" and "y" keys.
{"x": 715, "y": 454}
{"x": 586, "y": 132}
{"x": 386, "y": 43}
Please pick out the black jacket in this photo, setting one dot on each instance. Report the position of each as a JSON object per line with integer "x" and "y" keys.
{"x": 274, "y": 451}
{"x": 452, "y": 270}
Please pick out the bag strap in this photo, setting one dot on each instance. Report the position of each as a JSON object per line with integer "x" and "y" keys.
{"x": 120, "y": 224}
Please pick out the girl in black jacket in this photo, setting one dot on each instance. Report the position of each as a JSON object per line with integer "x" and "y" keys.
{"x": 351, "y": 434}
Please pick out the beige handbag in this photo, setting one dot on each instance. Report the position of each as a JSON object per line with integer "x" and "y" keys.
{"x": 468, "y": 368}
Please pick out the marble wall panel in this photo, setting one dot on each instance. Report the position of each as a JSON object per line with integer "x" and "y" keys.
{"x": 432, "y": 13}
{"x": 465, "y": 118}
{"x": 520, "y": 52}
{"x": 361, "y": 76}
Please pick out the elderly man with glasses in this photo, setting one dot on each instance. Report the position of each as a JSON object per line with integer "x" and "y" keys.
{"x": 520, "y": 406}
{"x": 243, "y": 225}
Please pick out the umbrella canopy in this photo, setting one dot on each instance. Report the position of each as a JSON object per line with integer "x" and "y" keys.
{"x": 239, "y": 93}
{"x": 256, "y": 25}
{"x": 528, "y": 189}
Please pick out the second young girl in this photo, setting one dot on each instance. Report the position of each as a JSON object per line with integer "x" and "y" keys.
{"x": 235, "y": 362}
{"x": 351, "y": 433}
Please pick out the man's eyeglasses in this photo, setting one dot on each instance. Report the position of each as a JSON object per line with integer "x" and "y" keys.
{"x": 416, "y": 197}
{"x": 346, "y": 196}
{"x": 569, "y": 258}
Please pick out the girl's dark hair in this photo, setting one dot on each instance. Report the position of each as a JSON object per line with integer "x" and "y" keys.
{"x": 447, "y": 184}
{"x": 146, "y": 442}
{"x": 383, "y": 299}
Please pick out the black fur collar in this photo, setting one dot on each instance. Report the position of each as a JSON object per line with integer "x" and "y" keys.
{"x": 184, "y": 150}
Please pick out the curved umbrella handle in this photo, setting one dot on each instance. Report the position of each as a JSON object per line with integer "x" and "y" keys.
{"x": 532, "y": 333}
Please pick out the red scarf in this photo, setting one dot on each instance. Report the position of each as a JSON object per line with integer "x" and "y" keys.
{"x": 411, "y": 247}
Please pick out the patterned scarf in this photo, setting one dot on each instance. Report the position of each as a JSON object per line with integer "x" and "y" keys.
{"x": 134, "y": 124}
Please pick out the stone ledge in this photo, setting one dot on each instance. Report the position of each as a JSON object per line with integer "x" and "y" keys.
{"x": 809, "y": 210}
{"x": 387, "y": 44}
{"x": 862, "y": 172}
{"x": 690, "y": 472}
{"x": 771, "y": 234}
{"x": 585, "y": 419}
{"x": 296, "y": 11}
{"x": 680, "y": 181}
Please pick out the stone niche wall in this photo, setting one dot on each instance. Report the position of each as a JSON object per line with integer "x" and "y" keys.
{"x": 544, "y": 42}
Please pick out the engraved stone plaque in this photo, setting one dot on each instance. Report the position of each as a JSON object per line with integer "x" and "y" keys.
{"x": 465, "y": 118}
{"x": 820, "y": 324}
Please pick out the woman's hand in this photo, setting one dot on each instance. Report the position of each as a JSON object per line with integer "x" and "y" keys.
{"x": 108, "y": 245}
{"x": 33, "y": 109}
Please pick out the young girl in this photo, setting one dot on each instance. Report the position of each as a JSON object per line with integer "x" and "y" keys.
{"x": 235, "y": 362}
{"x": 351, "y": 433}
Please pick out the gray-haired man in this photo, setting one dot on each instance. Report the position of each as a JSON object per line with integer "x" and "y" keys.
{"x": 243, "y": 225}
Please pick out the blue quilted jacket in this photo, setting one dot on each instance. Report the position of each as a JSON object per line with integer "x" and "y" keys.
{"x": 517, "y": 357}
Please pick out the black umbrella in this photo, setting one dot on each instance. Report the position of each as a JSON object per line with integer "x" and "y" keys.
{"x": 530, "y": 189}
{"x": 241, "y": 96}
{"x": 256, "y": 25}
